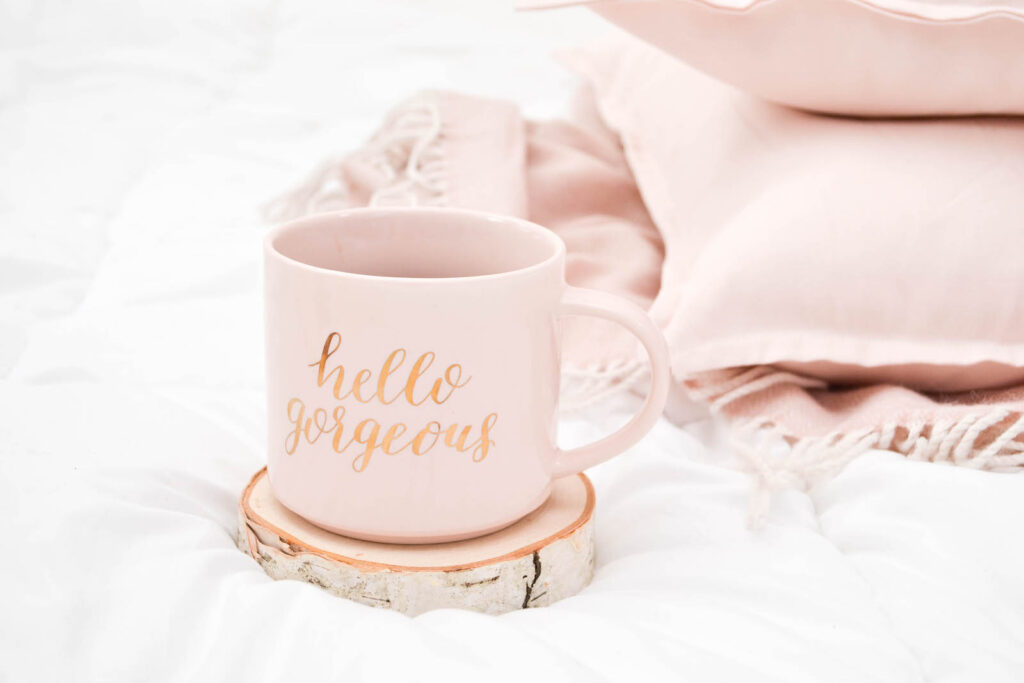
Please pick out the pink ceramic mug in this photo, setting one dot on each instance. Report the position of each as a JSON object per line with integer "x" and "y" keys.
{"x": 413, "y": 371}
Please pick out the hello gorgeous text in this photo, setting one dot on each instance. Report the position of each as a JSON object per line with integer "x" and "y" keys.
{"x": 415, "y": 386}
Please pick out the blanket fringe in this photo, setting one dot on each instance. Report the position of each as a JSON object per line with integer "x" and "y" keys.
{"x": 989, "y": 439}
{"x": 583, "y": 387}
{"x": 402, "y": 165}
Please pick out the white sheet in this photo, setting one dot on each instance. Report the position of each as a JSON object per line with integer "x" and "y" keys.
{"x": 137, "y": 142}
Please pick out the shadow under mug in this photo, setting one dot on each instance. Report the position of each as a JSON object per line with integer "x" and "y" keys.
{"x": 413, "y": 371}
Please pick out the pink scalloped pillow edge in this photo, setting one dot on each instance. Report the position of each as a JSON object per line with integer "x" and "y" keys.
{"x": 854, "y": 57}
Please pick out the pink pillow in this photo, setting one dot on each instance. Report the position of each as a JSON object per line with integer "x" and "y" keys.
{"x": 852, "y": 250}
{"x": 859, "y": 57}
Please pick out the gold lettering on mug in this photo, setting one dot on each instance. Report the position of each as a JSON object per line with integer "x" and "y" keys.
{"x": 357, "y": 384}
{"x": 339, "y": 428}
{"x": 394, "y": 431}
{"x": 393, "y": 362}
{"x": 331, "y": 344}
{"x": 367, "y": 387}
{"x": 484, "y": 443}
{"x": 365, "y": 434}
{"x": 433, "y": 429}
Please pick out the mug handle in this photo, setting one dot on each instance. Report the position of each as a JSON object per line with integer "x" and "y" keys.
{"x": 576, "y": 301}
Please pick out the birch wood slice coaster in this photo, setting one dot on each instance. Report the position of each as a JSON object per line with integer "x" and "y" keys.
{"x": 544, "y": 557}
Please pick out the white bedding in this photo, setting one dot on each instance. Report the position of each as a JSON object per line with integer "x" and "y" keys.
{"x": 136, "y": 143}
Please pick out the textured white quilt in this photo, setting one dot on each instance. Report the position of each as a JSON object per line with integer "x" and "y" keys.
{"x": 136, "y": 143}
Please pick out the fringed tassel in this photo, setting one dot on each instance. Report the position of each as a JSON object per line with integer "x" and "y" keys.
{"x": 402, "y": 165}
{"x": 990, "y": 439}
{"x": 584, "y": 387}
{"x": 778, "y": 463}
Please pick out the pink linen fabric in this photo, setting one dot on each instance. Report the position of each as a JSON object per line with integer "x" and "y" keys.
{"x": 859, "y": 57}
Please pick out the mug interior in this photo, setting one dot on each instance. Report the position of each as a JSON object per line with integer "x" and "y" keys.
{"x": 416, "y": 243}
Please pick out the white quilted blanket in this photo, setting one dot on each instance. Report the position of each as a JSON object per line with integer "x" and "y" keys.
{"x": 136, "y": 143}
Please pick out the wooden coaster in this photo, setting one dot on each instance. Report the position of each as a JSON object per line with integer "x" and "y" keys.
{"x": 544, "y": 557}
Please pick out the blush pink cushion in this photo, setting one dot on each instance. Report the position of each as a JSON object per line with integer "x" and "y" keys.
{"x": 859, "y": 57}
{"x": 853, "y": 250}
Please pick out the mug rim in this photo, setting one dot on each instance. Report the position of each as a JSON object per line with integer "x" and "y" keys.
{"x": 557, "y": 255}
